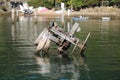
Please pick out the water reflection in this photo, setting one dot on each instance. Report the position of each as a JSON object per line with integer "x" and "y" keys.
{"x": 56, "y": 68}
{"x": 104, "y": 30}
{"x": 44, "y": 65}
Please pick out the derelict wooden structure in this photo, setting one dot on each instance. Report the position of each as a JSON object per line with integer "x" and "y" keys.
{"x": 62, "y": 39}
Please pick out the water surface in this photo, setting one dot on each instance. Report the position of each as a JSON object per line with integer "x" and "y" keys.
{"x": 18, "y": 61}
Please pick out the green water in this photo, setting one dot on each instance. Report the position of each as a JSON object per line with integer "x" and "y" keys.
{"x": 18, "y": 61}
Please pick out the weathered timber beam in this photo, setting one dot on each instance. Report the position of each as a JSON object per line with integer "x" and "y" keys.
{"x": 62, "y": 35}
{"x": 54, "y": 39}
{"x": 74, "y": 28}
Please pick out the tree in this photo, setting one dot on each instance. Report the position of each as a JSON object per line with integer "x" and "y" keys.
{"x": 115, "y": 2}
{"x": 35, "y": 3}
{"x": 77, "y": 3}
{"x": 45, "y": 3}
{"x": 91, "y": 2}
{"x": 68, "y": 3}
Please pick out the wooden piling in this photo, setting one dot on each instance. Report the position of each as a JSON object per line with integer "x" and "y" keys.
{"x": 68, "y": 15}
{"x": 62, "y": 16}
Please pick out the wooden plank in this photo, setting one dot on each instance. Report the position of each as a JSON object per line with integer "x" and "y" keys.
{"x": 54, "y": 39}
{"x": 85, "y": 42}
{"x": 62, "y": 35}
{"x": 75, "y": 46}
{"x": 40, "y": 36}
{"x": 43, "y": 44}
{"x": 74, "y": 28}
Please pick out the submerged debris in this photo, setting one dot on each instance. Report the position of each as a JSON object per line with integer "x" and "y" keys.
{"x": 62, "y": 39}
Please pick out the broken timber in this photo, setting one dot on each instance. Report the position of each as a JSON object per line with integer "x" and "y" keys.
{"x": 57, "y": 35}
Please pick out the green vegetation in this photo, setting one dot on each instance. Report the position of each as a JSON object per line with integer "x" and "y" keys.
{"x": 115, "y": 2}
{"x": 35, "y": 3}
{"x": 3, "y": 8}
{"x": 38, "y": 3}
{"x": 75, "y": 4}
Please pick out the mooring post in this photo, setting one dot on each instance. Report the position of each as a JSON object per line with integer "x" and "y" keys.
{"x": 68, "y": 26}
{"x": 62, "y": 7}
{"x": 68, "y": 14}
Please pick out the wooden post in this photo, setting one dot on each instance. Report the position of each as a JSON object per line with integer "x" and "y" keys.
{"x": 62, "y": 7}
{"x": 68, "y": 14}
{"x": 68, "y": 26}
{"x": 84, "y": 42}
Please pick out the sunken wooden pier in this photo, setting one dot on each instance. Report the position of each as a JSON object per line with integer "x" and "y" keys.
{"x": 62, "y": 39}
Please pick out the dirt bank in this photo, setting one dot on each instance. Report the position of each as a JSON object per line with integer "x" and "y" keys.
{"x": 92, "y": 13}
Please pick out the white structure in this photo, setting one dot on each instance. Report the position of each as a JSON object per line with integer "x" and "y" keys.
{"x": 106, "y": 18}
{"x": 26, "y": 9}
